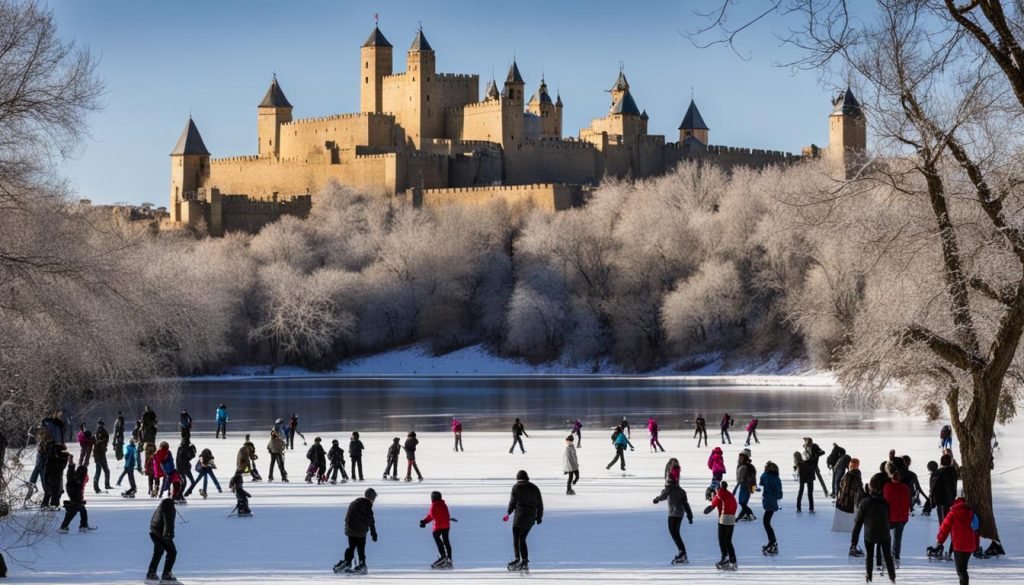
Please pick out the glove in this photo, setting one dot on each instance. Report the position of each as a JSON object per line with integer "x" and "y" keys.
{"x": 373, "y": 537}
{"x": 539, "y": 520}
{"x": 423, "y": 524}
{"x": 655, "y": 500}
{"x": 505, "y": 518}
{"x": 708, "y": 509}
{"x": 690, "y": 519}
{"x": 632, "y": 449}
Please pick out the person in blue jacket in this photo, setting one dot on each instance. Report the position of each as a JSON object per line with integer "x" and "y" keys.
{"x": 222, "y": 422}
{"x": 771, "y": 493}
{"x": 131, "y": 461}
{"x": 621, "y": 441}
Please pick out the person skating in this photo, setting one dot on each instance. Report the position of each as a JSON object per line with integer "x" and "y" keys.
{"x": 652, "y": 428}
{"x": 897, "y": 495}
{"x": 528, "y": 506}
{"x": 746, "y": 483}
{"x": 837, "y": 462}
{"x": 246, "y": 459}
{"x": 149, "y": 452}
{"x": 131, "y": 462}
{"x": 237, "y": 485}
{"x": 393, "y": 452}
{"x": 85, "y": 445}
{"x": 336, "y": 458}
{"x": 570, "y": 466}
{"x": 281, "y": 429}
{"x": 727, "y": 421}
{"x": 910, "y": 478}
{"x": 873, "y": 515}
{"x": 678, "y": 506}
{"x": 205, "y": 468}
{"x": 725, "y": 503}
{"x": 813, "y": 453}
{"x": 577, "y": 429}
{"x": 358, "y": 521}
{"x": 771, "y": 495}
{"x": 624, "y": 423}
{"x": 183, "y": 461}
{"x": 185, "y": 424}
{"x": 620, "y": 441}
{"x": 99, "y": 457}
{"x": 163, "y": 467}
{"x": 946, "y": 437}
{"x": 851, "y": 492}
{"x": 75, "y": 504}
{"x": 118, "y": 440}
{"x": 57, "y": 459}
{"x": 518, "y": 432}
{"x": 805, "y": 475}
{"x": 137, "y": 434}
{"x": 293, "y": 429}
{"x": 441, "y": 517}
{"x": 716, "y": 463}
{"x": 317, "y": 462}
{"x": 410, "y": 456}
{"x": 221, "y": 416}
{"x": 943, "y": 486}
{"x": 457, "y": 433}
{"x": 161, "y": 533}
{"x": 752, "y": 432}
{"x": 275, "y": 446}
{"x": 700, "y": 430}
{"x": 959, "y": 524}
{"x": 149, "y": 425}
{"x": 355, "y": 456}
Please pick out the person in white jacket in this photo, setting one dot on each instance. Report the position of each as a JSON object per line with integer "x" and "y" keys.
{"x": 570, "y": 466}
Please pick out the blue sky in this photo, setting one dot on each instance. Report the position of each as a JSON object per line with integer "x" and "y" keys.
{"x": 161, "y": 60}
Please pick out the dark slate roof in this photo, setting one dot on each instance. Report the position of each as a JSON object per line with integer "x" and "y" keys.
{"x": 644, "y": 116}
{"x": 847, "y": 104}
{"x": 558, "y": 100}
{"x": 420, "y": 43}
{"x": 190, "y": 142}
{"x": 275, "y": 97}
{"x": 626, "y": 105}
{"x": 693, "y": 120}
{"x": 376, "y": 39}
{"x": 492, "y": 90}
{"x": 620, "y": 83}
{"x": 692, "y": 142}
{"x": 513, "y": 74}
{"x": 542, "y": 95}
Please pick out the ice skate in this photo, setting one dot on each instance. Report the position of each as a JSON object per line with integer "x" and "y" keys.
{"x": 439, "y": 563}
{"x": 513, "y": 565}
{"x": 359, "y": 569}
{"x": 771, "y": 549}
{"x": 856, "y": 552}
{"x": 86, "y": 528}
{"x": 995, "y": 549}
{"x": 341, "y": 566}
{"x": 167, "y": 579}
{"x": 152, "y": 579}
{"x": 680, "y": 559}
{"x": 570, "y": 492}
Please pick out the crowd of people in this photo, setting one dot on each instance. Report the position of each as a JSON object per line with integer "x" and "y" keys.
{"x": 879, "y": 507}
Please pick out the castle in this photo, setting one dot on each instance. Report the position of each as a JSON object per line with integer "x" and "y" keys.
{"x": 430, "y": 139}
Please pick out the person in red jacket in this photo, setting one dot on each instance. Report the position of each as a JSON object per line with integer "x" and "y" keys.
{"x": 897, "y": 495}
{"x": 163, "y": 466}
{"x": 725, "y": 503}
{"x": 442, "y": 520}
{"x": 959, "y": 523}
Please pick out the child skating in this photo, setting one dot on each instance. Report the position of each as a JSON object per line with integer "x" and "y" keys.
{"x": 440, "y": 516}
{"x": 393, "y": 452}
{"x": 725, "y": 503}
{"x": 570, "y": 466}
{"x": 336, "y": 457}
{"x": 652, "y": 428}
{"x": 678, "y": 507}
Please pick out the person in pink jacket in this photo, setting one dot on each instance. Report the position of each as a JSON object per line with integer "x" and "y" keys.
{"x": 752, "y": 431}
{"x": 457, "y": 431}
{"x": 652, "y": 428}
{"x": 716, "y": 463}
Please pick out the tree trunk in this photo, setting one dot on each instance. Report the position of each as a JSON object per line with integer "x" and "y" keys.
{"x": 975, "y": 436}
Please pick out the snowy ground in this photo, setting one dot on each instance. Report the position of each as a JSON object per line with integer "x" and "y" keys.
{"x": 609, "y": 533}
{"x": 477, "y": 361}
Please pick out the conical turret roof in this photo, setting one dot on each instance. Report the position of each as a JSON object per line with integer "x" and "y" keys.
{"x": 542, "y": 95}
{"x": 492, "y": 90}
{"x": 420, "y": 42}
{"x": 693, "y": 120}
{"x": 644, "y": 116}
{"x": 620, "y": 83}
{"x": 846, "y": 103}
{"x": 190, "y": 142}
{"x": 376, "y": 39}
{"x": 275, "y": 97}
{"x": 558, "y": 100}
{"x": 513, "y": 74}
{"x": 626, "y": 105}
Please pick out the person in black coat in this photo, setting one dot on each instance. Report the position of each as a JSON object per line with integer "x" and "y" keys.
{"x": 518, "y": 432}
{"x": 393, "y": 452}
{"x": 185, "y": 422}
{"x": 804, "y": 469}
{"x": 75, "y": 504}
{"x": 355, "y": 456}
{"x": 161, "y": 532}
{"x": 943, "y": 486}
{"x": 528, "y": 506}
{"x": 700, "y": 429}
{"x": 873, "y": 515}
{"x": 336, "y": 457}
{"x": 149, "y": 424}
{"x": 410, "y": 456}
{"x": 99, "y": 456}
{"x": 57, "y": 459}
{"x": 183, "y": 461}
{"x": 678, "y": 507}
{"x": 118, "y": 440}
{"x": 358, "y": 521}
{"x": 317, "y": 462}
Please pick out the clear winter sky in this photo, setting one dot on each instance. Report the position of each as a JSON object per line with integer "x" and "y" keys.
{"x": 161, "y": 60}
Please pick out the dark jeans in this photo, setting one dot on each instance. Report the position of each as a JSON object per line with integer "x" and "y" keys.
{"x": 130, "y": 472}
{"x": 897, "y": 538}
{"x": 817, "y": 473}
{"x": 392, "y": 468}
{"x": 71, "y": 510}
{"x": 725, "y": 542}
{"x": 837, "y": 478}
{"x": 279, "y": 459}
{"x": 53, "y": 488}
{"x": 753, "y": 433}
{"x": 725, "y": 437}
{"x": 333, "y": 471}
{"x": 411, "y": 464}
{"x": 743, "y": 499}
{"x": 579, "y": 438}
{"x": 222, "y": 430}
{"x": 574, "y": 476}
{"x": 356, "y": 544}
{"x": 810, "y": 494}
{"x": 674, "y": 522}
{"x": 101, "y": 466}
{"x": 186, "y": 432}
{"x": 701, "y": 433}
{"x": 961, "y": 559}
{"x": 204, "y": 473}
{"x": 869, "y": 558}
{"x": 458, "y": 442}
{"x": 620, "y": 455}
{"x": 941, "y": 512}
{"x": 186, "y": 475}
{"x": 444, "y": 544}
{"x": 519, "y": 534}
{"x": 767, "y": 521}
{"x": 517, "y": 440}
{"x": 357, "y": 462}
{"x": 160, "y": 546}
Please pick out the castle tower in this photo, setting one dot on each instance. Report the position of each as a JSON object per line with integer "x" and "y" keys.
{"x": 420, "y": 121}
{"x": 693, "y": 125}
{"x": 377, "y": 63}
{"x": 625, "y": 115}
{"x": 190, "y": 168}
{"x": 620, "y": 87}
{"x": 540, "y": 105}
{"x": 273, "y": 111}
{"x": 847, "y": 132}
{"x": 512, "y": 106}
{"x": 491, "y": 93}
{"x": 644, "y": 118}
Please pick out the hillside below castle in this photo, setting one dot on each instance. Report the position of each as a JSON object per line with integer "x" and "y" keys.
{"x": 430, "y": 139}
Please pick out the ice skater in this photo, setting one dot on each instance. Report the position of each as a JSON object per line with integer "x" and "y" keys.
{"x": 336, "y": 457}
{"x": 410, "y": 456}
{"x": 577, "y": 429}
{"x": 716, "y": 463}
{"x": 358, "y": 521}
{"x": 625, "y": 427}
{"x": 393, "y": 452}
{"x": 700, "y": 430}
{"x": 946, "y": 437}
{"x": 570, "y": 466}
{"x": 518, "y": 432}
{"x": 725, "y": 503}
{"x": 75, "y": 504}
{"x": 99, "y": 457}
{"x": 237, "y": 485}
{"x": 897, "y": 495}
{"x": 441, "y": 517}
{"x": 204, "y": 467}
{"x": 131, "y": 462}
{"x": 873, "y": 515}
{"x": 678, "y": 507}
{"x": 221, "y": 416}
{"x": 161, "y": 532}
{"x": 620, "y": 441}
{"x": 958, "y": 524}
{"x": 746, "y": 483}
{"x": 317, "y": 462}
{"x": 355, "y": 456}
{"x": 771, "y": 494}
{"x": 652, "y": 428}
{"x": 183, "y": 460}
{"x": 752, "y": 432}
{"x": 727, "y": 421}
{"x": 293, "y": 429}
{"x": 812, "y": 453}
{"x": 276, "y": 448}
{"x": 457, "y": 433}
{"x": 804, "y": 471}
{"x": 836, "y": 463}
{"x": 528, "y": 506}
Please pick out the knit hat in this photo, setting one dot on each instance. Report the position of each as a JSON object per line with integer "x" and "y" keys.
{"x": 334, "y": 442}
{"x": 745, "y": 452}
{"x": 522, "y": 475}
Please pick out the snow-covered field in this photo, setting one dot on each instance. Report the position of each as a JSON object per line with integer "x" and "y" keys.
{"x": 609, "y": 533}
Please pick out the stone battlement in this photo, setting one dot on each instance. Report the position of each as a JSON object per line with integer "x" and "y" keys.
{"x": 488, "y": 104}
{"x": 370, "y": 115}
{"x": 557, "y": 144}
{"x": 235, "y": 159}
{"x": 495, "y": 189}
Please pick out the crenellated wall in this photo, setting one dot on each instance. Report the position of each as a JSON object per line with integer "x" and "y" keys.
{"x": 306, "y": 139}
{"x": 546, "y": 197}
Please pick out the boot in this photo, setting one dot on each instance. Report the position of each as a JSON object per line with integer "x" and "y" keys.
{"x": 995, "y": 549}
{"x": 514, "y": 565}
{"x": 341, "y": 566}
